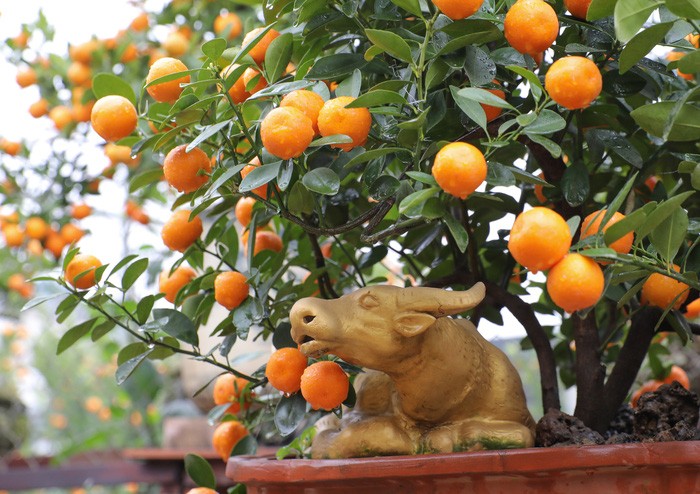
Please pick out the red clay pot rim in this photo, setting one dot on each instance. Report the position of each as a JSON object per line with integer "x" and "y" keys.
{"x": 516, "y": 461}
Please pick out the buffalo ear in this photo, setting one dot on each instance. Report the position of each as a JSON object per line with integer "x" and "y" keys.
{"x": 410, "y": 324}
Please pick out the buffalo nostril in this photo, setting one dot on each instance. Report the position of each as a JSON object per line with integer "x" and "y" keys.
{"x": 308, "y": 319}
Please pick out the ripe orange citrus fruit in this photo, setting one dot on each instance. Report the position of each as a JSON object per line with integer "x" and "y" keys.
{"x": 14, "y": 235}
{"x": 114, "y": 117}
{"x": 80, "y": 211}
{"x": 591, "y": 226}
{"x": 244, "y": 210}
{"x": 70, "y": 233}
{"x": 179, "y": 232}
{"x": 140, "y": 22}
{"x": 286, "y": 132}
{"x": 248, "y": 76}
{"x": 202, "y": 490}
{"x": 456, "y": 9}
{"x": 78, "y": 73}
{"x": 55, "y": 244}
{"x": 324, "y": 385}
{"x": 226, "y": 435}
{"x": 237, "y": 91}
{"x": 573, "y": 82}
{"x": 492, "y": 112}
{"x": 82, "y": 52}
{"x": 459, "y": 168}
{"x": 136, "y": 213}
{"x": 284, "y": 369}
{"x": 166, "y": 92}
{"x": 61, "y": 116}
{"x": 660, "y": 290}
{"x": 355, "y": 123}
{"x": 36, "y": 227}
{"x": 692, "y": 310}
{"x": 230, "y": 289}
{"x": 531, "y": 26}
{"x": 171, "y": 284}
{"x": 264, "y": 240}
{"x": 186, "y": 171}
{"x": 539, "y": 190}
{"x": 82, "y": 263}
{"x": 176, "y": 44}
{"x": 539, "y": 239}
{"x": 39, "y": 108}
{"x": 231, "y": 389}
{"x": 258, "y": 51}
{"x": 26, "y": 77}
{"x": 307, "y": 102}
{"x": 578, "y": 8}
{"x": 678, "y": 374}
{"x": 576, "y": 282}
{"x": 121, "y": 154}
{"x": 228, "y": 23}
{"x": 258, "y": 191}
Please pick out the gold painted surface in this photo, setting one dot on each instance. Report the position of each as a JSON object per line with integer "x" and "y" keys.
{"x": 436, "y": 385}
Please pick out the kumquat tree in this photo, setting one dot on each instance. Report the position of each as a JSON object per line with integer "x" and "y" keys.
{"x": 306, "y": 148}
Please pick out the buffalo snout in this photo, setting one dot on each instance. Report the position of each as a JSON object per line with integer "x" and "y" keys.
{"x": 314, "y": 326}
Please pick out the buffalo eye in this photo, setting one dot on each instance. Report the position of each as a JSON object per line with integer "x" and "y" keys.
{"x": 368, "y": 301}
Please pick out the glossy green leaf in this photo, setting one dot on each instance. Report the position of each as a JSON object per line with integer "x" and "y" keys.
{"x": 336, "y": 66}
{"x": 177, "y": 325}
{"x": 661, "y": 213}
{"x": 258, "y": 176}
{"x": 458, "y": 232}
{"x": 690, "y": 63}
{"x": 391, "y": 43}
{"x": 289, "y": 413}
{"x": 536, "y": 87}
{"x": 322, "y": 181}
{"x": 71, "y": 336}
{"x": 653, "y": 117}
{"x": 687, "y": 9}
{"x": 484, "y": 97}
{"x": 105, "y": 84}
{"x": 277, "y": 56}
{"x": 350, "y": 86}
{"x": 373, "y": 154}
{"x": 132, "y": 273}
{"x": 379, "y": 97}
{"x": 214, "y": 48}
{"x": 630, "y": 16}
{"x": 600, "y": 8}
{"x": 628, "y": 224}
{"x": 411, "y": 6}
{"x": 127, "y": 368}
{"x": 669, "y": 235}
{"x": 575, "y": 184}
{"x": 206, "y": 133}
{"x": 470, "y": 107}
{"x": 546, "y": 123}
{"x": 641, "y": 44}
{"x": 200, "y": 471}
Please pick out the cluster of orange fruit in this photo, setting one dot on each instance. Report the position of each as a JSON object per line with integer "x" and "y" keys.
{"x": 540, "y": 240}
{"x": 324, "y": 385}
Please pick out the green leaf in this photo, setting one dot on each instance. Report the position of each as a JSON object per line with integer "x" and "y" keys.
{"x": 350, "y": 86}
{"x": 133, "y": 272}
{"x": 687, "y": 9}
{"x": 289, "y": 413}
{"x": 246, "y": 446}
{"x": 628, "y": 224}
{"x": 144, "y": 307}
{"x": 536, "y": 87}
{"x": 258, "y": 176}
{"x": 206, "y": 133}
{"x": 499, "y": 175}
{"x": 152, "y": 176}
{"x": 214, "y": 48}
{"x": 177, "y": 325}
{"x": 547, "y": 122}
{"x": 458, "y": 232}
{"x": 642, "y": 44}
{"x": 424, "y": 178}
{"x": 467, "y": 32}
{"x": 411, "y": 6}
{"x": 527, "y": 177}
{"x": 121, "y": 264}
{"x": 277, "y": 56}
{"x": 661, "y": 213}
{"x": 690, "y": 63}
{"x": 412, "y": 204}
{"x": 280, "y": 88}
{"x": 479, "y": 67}
{"x": 200, "y": 471}
{"x": 600, "y": 8}
{"x": 653, "y": 118}
{"x": 332, "y": 139}
{"x": 380, "y": 97}
{"x": 616, "y": 203}
{"x": 630, "y": 16}
{"x": 251, "y": 44}
{"x": 336, "y": 66}
{"x": 373, "y": 154}
{"x": 104, "y": 84}
{"x": 74, "y": 334}
{"x": 484, "y": 97}
{"x": 668, "y": 236}
{"x": 300, "y": 200}
{"x": 322, "y": 181}
{"x": 391, "y": 43}
{"x": 551, "y": 146}
{"x": 437, "y": 72}
{"x": 36, "y": 301}
{"x": 471, "y": 108}
{"x": 102, "y": 329}
{"x": 245, "y": 315}
{"x": 128, "y": 367}
{"x": 575, "y": 184}
{"x": 383, "y": 187}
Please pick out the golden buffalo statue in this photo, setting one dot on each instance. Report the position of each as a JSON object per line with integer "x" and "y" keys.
{"x": 437, "y": 384}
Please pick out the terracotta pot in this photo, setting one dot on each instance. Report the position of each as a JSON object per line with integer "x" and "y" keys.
{"x": 663, "y": 468}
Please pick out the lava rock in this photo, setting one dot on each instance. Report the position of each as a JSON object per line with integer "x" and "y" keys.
{"x": 557, "y": 428}
{"x": 668, "y": 414}
{"x": 623, "y": 423}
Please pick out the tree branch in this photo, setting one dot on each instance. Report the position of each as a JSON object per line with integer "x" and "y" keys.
{"x": 590, "y": 373}
{"x": 324, "y": 281}
{"x": 540, "y": 342}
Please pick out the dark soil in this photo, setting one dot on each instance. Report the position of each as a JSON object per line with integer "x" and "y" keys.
{"x": 667, "y": 414}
